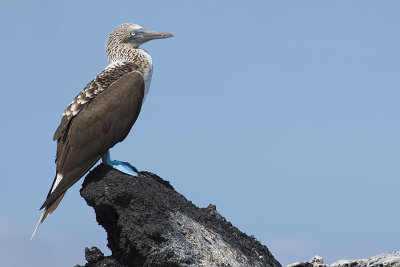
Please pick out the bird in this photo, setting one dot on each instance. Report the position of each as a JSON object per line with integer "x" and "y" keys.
{"x": 103, "y": 113}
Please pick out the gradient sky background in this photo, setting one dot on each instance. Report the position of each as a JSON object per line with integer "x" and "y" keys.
{"x": 284, "y": 114}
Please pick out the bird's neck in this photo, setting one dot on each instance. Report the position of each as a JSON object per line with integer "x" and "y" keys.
{"x": 138, "y": 56}
{"x": 141, "y": 59}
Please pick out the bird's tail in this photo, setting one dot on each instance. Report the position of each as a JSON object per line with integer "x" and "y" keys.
{"x": 47, "y": 211}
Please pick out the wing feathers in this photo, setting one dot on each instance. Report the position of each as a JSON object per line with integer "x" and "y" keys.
{"x": 47, "y": 211}
{"x": 100, "y": 83}
{"x": 100, "y": 124}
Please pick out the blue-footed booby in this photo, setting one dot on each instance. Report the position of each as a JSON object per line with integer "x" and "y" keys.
{"x": 103, "y": 113}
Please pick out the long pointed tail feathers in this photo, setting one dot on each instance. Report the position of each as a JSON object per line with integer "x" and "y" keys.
{"x": 46, "y": 212}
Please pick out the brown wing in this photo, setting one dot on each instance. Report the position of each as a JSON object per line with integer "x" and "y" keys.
{"x": 100, "y": 83}
{"x": 99, "y": 125}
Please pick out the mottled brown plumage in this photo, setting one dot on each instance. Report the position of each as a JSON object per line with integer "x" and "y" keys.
{"x": 82, "y": 140}
{"x": 103, "y": 113}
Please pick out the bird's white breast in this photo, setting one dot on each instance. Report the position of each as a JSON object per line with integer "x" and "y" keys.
{"x": 147, "y": 71}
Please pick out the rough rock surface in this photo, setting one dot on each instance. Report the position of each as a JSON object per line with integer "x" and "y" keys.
{"x": 316, "y": 261}
{"x": 148, "y": 223}
{"x": 381, "y": 260}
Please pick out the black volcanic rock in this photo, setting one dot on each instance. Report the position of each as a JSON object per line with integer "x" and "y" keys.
{"x": 148, "y": 223}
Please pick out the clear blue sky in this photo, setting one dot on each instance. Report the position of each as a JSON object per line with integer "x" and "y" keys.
{"x": 284, "y": 114}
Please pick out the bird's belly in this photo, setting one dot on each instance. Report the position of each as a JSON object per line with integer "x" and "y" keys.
{"x": 147, "y": 80}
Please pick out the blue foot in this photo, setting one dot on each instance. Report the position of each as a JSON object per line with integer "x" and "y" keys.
{"x": 124, "y": 167}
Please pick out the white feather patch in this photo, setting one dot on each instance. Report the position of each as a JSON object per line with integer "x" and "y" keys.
{"x": 89, "y": 94}
{"x": 114, "y": 65}
{"x": 58, "y": 180}
{"x": 81, "y": 102}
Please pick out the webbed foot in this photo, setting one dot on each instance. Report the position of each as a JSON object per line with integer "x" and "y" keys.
{"x": 124, "y": 167}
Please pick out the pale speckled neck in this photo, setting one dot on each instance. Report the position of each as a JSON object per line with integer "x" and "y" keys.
{"x": 118, "y": 53}
{"x": 123, "y": 53}
{"x": 142, "y": 60}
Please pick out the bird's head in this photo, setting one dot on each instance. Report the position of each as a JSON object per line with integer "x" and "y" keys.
{"x": 132, "y": 36}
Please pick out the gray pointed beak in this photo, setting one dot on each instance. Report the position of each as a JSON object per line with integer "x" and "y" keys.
{"x": 146, "y": 35}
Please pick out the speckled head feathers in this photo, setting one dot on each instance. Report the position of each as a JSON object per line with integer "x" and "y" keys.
{"x": 127, "y": 37}
{"x": 121, "y": 33}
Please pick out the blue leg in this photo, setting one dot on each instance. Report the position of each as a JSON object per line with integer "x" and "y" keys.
{"x": 124, "y": 167}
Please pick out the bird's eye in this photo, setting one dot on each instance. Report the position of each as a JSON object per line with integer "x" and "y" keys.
{"x": 133, "y": 33}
